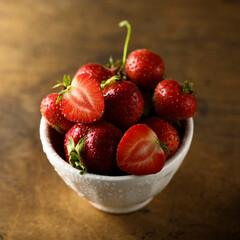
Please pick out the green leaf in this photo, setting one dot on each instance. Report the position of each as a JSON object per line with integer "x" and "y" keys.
{"x": 83, "y": 170}
{"x": 77, "y": 164}
{"x": 111, "y": 65}
{"x": 71, "y": 141}
{"x": 79, "y": 146}
{"x": 111, "y": 61}
{"x": 70, "y": 146}
{"x": 165, "y": 147}
{"x": 103, "y": 84}
{"x": 118, "y": 63}
{"x": 74, "y": 154}
{"x": 58, "y": 99}
{"x": 67, "y": 80}
{"x": 65, "y": 83}
{"x": 61, "y": 94}
{"x": 73, "y": 159}
{"x": 188, "y": 87}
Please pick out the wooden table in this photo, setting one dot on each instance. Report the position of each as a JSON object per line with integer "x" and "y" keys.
{"x": 42, "y": 40}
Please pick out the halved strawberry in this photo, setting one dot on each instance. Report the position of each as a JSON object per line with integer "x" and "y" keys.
{"x": 82, "y": 101}
{"x": 140, "y": 152}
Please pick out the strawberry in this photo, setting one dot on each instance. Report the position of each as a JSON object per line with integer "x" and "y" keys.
{"x": 123, "y": 102}
{"x": 165, "y": 132}
{"x": 144, "y": 68}
{"x": 51, "y": 111}
{"x": 140, "y": 152}
{"x": 174, "y": 101}
{"x": 92, "y": 147}
{"x": 82, "y": 99}
{"x": 99, "y": 72}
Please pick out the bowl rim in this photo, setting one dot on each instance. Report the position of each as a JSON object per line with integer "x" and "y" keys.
{"x": 49, "y": 150}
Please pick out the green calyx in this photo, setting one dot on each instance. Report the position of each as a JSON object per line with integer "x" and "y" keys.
{"x": 114, "y": 65}
{"x": 109, "y": 81}
{"x": 74, "y": 153}
{"x": 164, "y": 147}
{"x": 65, "y": 85}
{"x": 188, "y": 87}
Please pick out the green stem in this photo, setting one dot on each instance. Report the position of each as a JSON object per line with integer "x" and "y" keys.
{"x": 122, "y": 24}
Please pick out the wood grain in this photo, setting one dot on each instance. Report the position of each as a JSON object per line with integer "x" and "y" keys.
{"x": 42, "y": 40}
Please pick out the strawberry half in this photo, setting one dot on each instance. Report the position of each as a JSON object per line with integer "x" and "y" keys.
{"x": 140, "y": 152}
{"x": 82, "y": 101}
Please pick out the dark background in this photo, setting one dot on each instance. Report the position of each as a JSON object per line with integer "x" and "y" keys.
{"x": 42, "y": 40}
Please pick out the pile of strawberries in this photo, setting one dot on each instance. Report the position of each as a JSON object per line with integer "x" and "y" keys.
{"x": 120, "y": 118}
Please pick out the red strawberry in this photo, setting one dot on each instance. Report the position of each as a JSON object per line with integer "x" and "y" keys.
{"x": 93, "y": 147}
{"x": 139, "y": 151}
{"x": 123, "y": 103}
{"x": 51, "y": 111}
{"x": 82, "y": 100}
{"x": 99, "y": 72}
{"x": 174, "y": 101}
{"x": 144, "y": 68}
{"x": 165, "y": 132}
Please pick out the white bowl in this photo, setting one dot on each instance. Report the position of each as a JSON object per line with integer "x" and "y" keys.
{"x": 116, "y": 194}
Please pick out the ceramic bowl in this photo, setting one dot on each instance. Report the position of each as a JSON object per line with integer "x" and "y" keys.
{"x": 114, "y": 194}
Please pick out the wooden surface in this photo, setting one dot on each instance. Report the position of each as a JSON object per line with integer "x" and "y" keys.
{"x": 42, "y": 40}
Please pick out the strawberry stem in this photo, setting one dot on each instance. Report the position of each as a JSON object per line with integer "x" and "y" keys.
{"x": 122, "y": 24}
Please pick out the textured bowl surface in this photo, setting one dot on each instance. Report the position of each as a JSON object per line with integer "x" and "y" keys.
{"x": 115, "y": 194}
